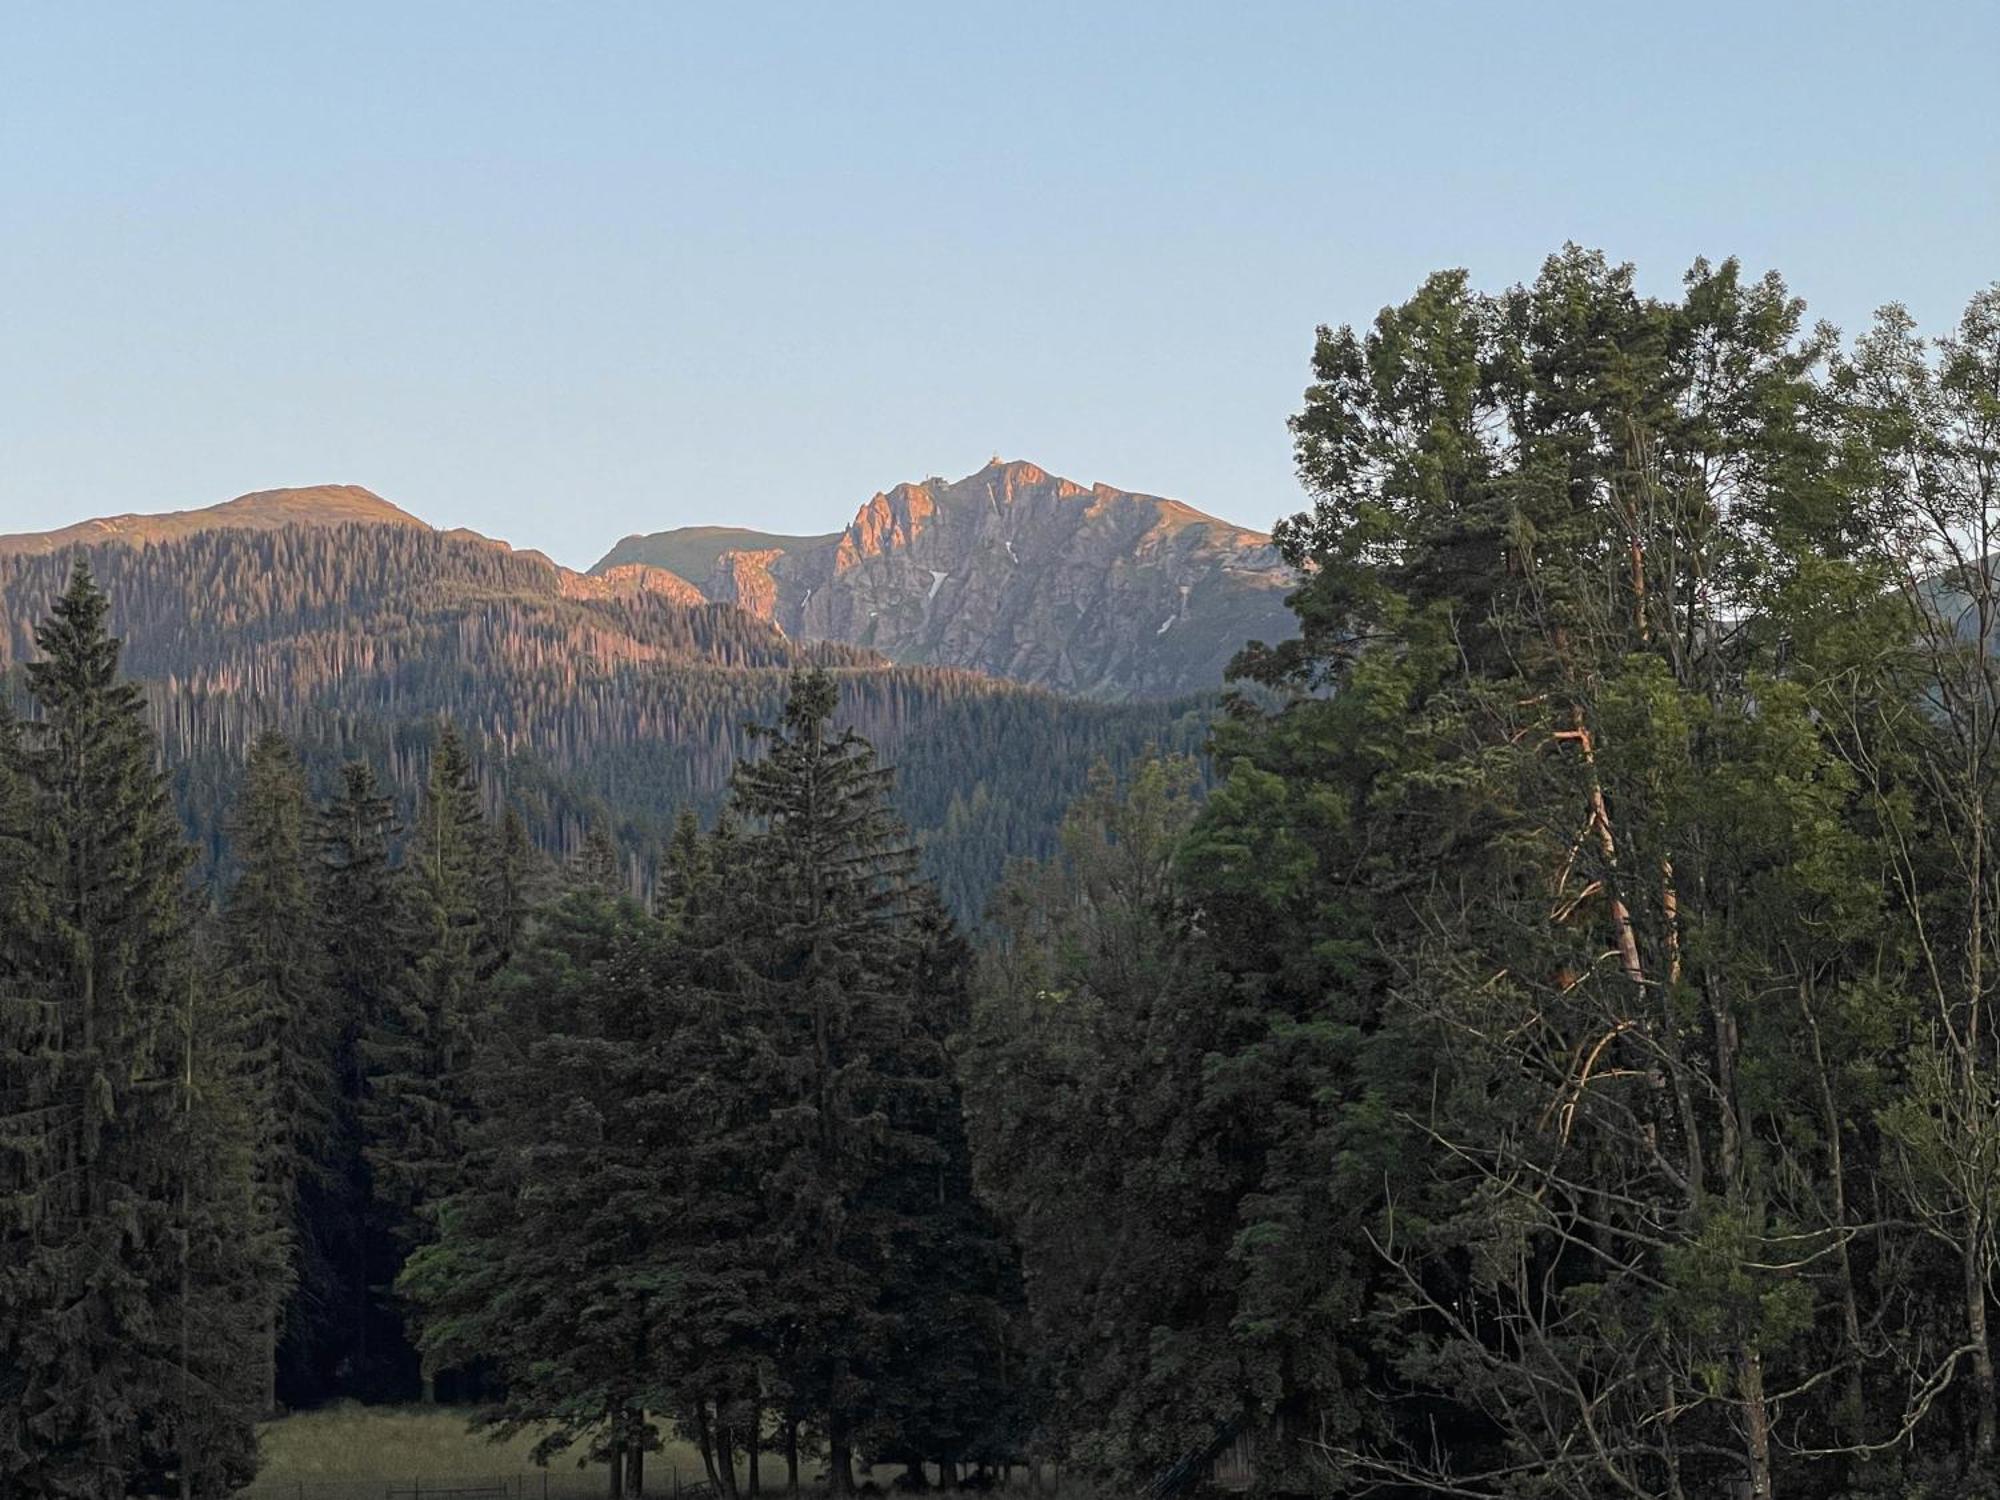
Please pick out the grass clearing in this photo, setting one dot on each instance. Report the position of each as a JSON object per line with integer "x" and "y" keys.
{"x": 353, "y": 1452}
{"x": 351, "y": 1442}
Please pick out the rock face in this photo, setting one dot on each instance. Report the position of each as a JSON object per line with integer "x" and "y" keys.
{"x": 626, "y": 581}
{"x": 1015, "y": 572}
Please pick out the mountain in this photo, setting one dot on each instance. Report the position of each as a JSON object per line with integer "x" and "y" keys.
{"x": 619, "y": 695}
{"x": 334, "y": 505}
{"x": 1011, "y": 571}
{"x": 995, "y": 637}
{"x": 266, "y": 510}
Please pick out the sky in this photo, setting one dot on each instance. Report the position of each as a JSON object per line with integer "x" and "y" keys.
{"x": 563, "y": 272}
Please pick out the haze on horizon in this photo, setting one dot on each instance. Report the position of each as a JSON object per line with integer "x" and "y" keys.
{"x": 561, "y": 274}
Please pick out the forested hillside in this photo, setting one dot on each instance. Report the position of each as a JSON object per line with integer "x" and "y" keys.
{"x": 579, "y": 699}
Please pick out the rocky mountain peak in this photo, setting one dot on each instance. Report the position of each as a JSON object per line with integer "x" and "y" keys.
{"x": 886, "y": 522}
{"x": 1015, "y": 571}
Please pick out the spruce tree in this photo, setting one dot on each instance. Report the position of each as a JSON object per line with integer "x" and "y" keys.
{"x": 685, "y": 883}
{"x": 38, "y": 1107}
{"x": 591, "y": 1257}
{"x": 851, "y": 1086}
{"x": 278, "y": 995}
{"x": 417, "y": 1051}
{"x": 237, "y": 1247}
{"x": 104, "y": 1232}
{"x": 950, "y": 1389}
{"x": 363, "y": 933}
{"x": 599, "y": 865}
{"x": 519, "y": 873}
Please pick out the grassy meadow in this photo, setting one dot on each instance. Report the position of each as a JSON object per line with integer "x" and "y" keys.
{"x": 351, "y": 1444}
{"x": 354, "y": 1452}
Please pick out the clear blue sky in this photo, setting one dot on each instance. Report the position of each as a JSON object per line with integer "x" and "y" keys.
{"x": 567, "y": 271}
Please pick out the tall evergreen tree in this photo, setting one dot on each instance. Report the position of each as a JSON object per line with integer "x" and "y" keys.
{"x": 364, "y": 932}
{"x": 278, "y": 994}
{"x": 686, "y": 888}
{"x": 237, "y": 1246}
{"x": 592, "y": 1257}
{"x": 826, "y": 914}
{"x": 599, "y": 865}
{"x": 103, "y": 1188}
{"x": 519, "y": 871}
{"x": 417, "y": 1051}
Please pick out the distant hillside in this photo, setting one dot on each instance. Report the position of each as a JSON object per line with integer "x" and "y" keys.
{"x": 582, "y": 694}
{"x": 264, "y": 510}
{"x": 1013, "y": 571}
{"x": 995, "y": 636}
{"x": 334, "y": 505}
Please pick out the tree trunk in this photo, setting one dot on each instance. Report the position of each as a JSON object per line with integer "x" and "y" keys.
{"x": 635, "y": 1463}
{"x": 1622, "y": 932}
{"x": 1756, "y": 1422}
{"x": 1749, "y": 1358}
{"x": 725, "y": 1453}
{"x": 1976, "y": 1335}
{"x": 1850, "y": 1306}
{"x": 615, "y": 1470}
{"x": 271, "y": 1362}
{"x": 754, "y": 1441}
{"x": 839, "y": 1457}
{"x": 704, "y": 1442}
{"x": 792, "y": 1456}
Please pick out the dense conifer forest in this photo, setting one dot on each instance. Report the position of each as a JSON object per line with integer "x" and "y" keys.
{"x": 1543, "y": 1051}
{"x": 356, "y": 640}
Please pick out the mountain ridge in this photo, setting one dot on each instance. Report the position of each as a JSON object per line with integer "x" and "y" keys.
{"x": 1012, "y": 571}
{"x": 586, "y": 699}
{"x": 259, "y": 510}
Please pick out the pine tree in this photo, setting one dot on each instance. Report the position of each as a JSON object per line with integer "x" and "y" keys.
{"x": 1091, "y": 1008}
{"x": 38, "y": 1107}
{"x": 102, "y": 1184}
